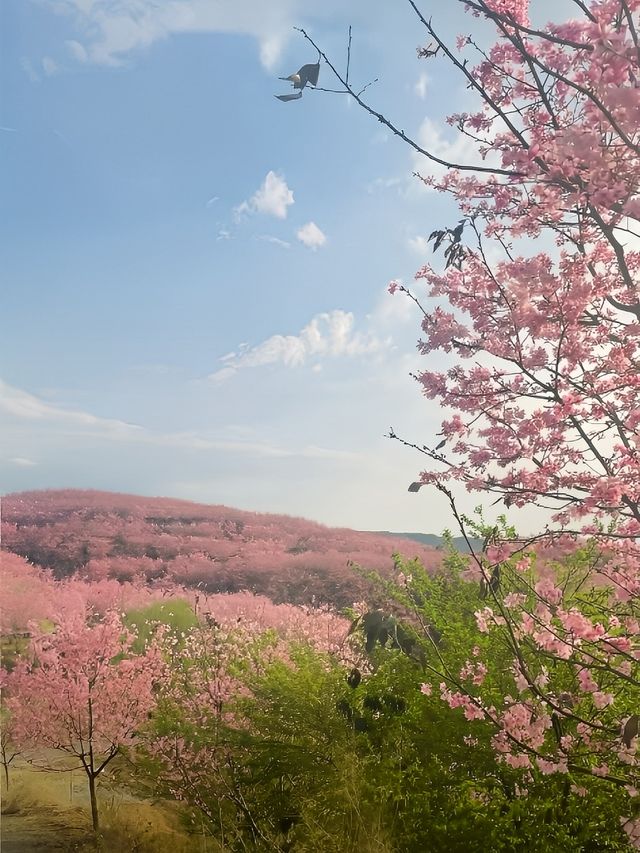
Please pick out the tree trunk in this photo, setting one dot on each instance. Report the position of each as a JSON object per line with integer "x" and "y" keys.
{"x": 94, "y": 803}
{"x": 6, "y": 773}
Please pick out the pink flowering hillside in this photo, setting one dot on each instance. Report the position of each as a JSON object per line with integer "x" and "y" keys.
{"x": 102, "y": 536}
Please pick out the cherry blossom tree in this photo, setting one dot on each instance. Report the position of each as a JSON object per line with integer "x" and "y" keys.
{"x": 83, "y": 693}
{"x": 544, "y": 391}
{"x": 546, "y": 412}
{"x": 188, "y": 749}
{"x": 546, "y": 387}
{"x": 534, "y": 301}
{"x": 25, "y": 594}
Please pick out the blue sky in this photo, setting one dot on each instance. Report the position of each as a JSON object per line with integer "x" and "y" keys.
{"x": 195, "y": 273}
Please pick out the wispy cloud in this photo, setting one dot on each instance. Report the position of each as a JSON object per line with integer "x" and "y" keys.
{"x": 379, "y": 184}
{"x": 29, "y": 70}
{"x": 77, "y": 51}
{"x": 272, "y": 198}
{"x": 269, "y": 238}
{"x": 311, "y": 236}
{"x": 419, "y": 245}
{"x": 194, "y": 441}
{"x": 22, "y": 461}
{"x": 421, "y": 86}
{"x": 26, "y": 406}
{"x": 22, "y": 406}
{"x": 49, "y": 66}
{"x": 330, "y": 334}
{"x": 113, "y": 29}
{"x": 460, "y": 149}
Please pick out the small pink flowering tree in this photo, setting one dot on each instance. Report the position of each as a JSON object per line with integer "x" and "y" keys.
{"x": 198, "y": 747}
{"x": 189, "y": 747}
{"x": 83, "y": 693}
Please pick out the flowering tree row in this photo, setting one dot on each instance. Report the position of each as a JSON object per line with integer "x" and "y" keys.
{"x": 266, "y": 735}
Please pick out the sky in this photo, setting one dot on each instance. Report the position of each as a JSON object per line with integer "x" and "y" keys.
{"x": 195, "y": 274}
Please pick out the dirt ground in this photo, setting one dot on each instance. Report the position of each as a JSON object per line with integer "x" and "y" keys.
{"x": 48, "y": 812}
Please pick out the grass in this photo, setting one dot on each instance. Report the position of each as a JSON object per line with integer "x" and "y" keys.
{"x": 39, "y": 815}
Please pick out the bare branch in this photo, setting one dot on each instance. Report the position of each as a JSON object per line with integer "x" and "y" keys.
{"x": 395, "y": 130}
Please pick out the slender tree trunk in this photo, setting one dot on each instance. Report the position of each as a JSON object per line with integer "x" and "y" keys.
{"x": 90, "y": 768}
{"x": 6, "y": 773}
{"x": 94, "y": 803}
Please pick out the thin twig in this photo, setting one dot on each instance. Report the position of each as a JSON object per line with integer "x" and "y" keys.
{"x": 333, "y": 91}
{"x": 395, "y": 130}
{"x": 366, "y": 86}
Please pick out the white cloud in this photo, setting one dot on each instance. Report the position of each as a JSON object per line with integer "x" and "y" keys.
{"x": 379, "y": 184}
{"x": 113, "y": 29}
{"x": 271, "y": 49}
{"x": 329, "y": 334}
{"x": 419, "y": 245}
{"x": 49, "y": 66}
{"x": 272, "y": 198}
{"x": 421, "y": 86}
{"x": 77, "y": 51}
{"x": 311, "y": 236}
{"x": 391, "y": 316}
{"x": 22, "y": 406}
{"x": 29, "y": 70}
{"x": 269, "y": 238}
{"x": 194, "y": 441}
{"x": 460, "y": 149}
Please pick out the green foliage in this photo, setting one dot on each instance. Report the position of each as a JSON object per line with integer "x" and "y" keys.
{"x": 381, "y": 766}
{"x": 315, "y": 754}
{"x": 303, "y": 754}
{"x": 12, "y": 647}
{"x": 176, "y": 615}
{"x": 467, "y": 800}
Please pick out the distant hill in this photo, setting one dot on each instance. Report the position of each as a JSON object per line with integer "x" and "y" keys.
{"x": 100, "y": 535}
{"x": 431, "y": 540}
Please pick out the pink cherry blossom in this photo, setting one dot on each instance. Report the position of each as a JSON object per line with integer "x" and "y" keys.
{"x": 83, "y": 693}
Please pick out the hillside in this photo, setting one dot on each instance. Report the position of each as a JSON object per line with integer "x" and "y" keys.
{"x": 98, "y": 535}
{"x": 432, "y": 540}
